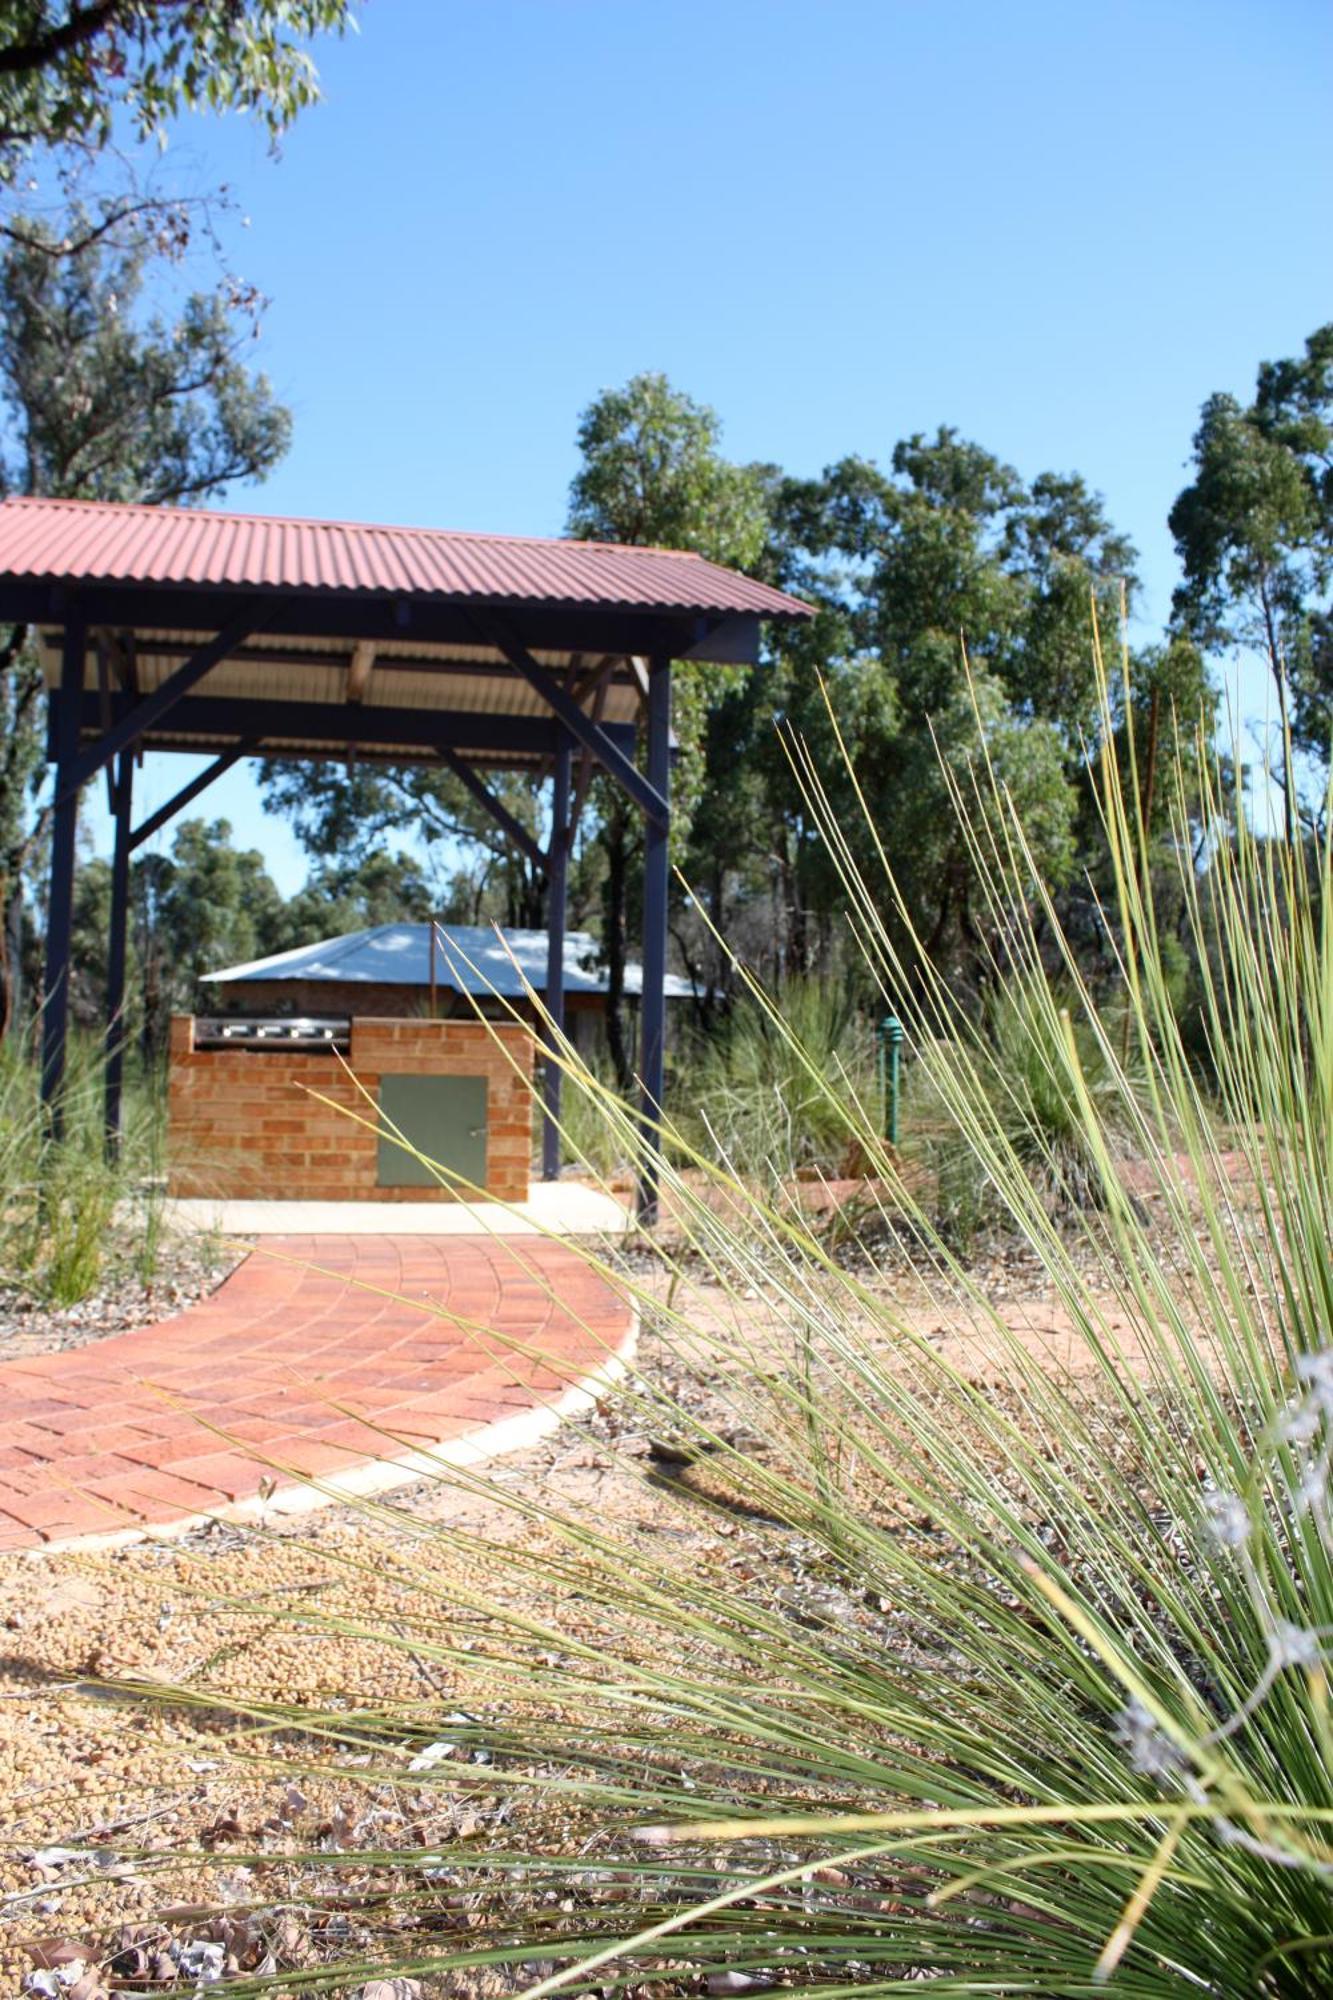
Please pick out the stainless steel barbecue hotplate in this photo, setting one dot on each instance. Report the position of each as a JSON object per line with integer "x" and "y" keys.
{"x": 248, "y": 1031}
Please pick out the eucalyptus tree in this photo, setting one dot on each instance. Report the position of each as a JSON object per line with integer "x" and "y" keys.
{"x": 1254, "y": 530}
{"x": 111, "y": 383}
{"x": 652, "y": 473}
{"x": 71, "y": 69}
{"x": 346, "y": 814}
{"x": 955, "y": 631}
{"x": 103, "y": 398}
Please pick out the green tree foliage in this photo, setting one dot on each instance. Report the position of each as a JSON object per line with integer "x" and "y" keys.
{"x": 653, "y": 475}
{"x": 344, "y": 896}
{"x": 204, "y": 904}
{"x": 954, "y": 631}
{"x": 346, "y": 815}
{"x": 1254, "y": 530}
{"x": 207, "y": 904}
{"x": 101, "y": 398}
{"x": 105, "y": 401}
{"x": 105, "y": 392}
{"x": 69, "y": 69}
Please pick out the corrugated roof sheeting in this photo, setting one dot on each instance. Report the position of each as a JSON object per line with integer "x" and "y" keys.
{"x": 404, "y": 675}
{"x": 470, "y": 958}
{"x": 470, "y": 694}
{"x": 103, "y": 542}
{"x": 252, "y": 680}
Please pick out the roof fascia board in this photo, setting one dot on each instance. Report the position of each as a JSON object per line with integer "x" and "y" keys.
{"x": 728, "y": 642}
{"x": 352, "y": 616}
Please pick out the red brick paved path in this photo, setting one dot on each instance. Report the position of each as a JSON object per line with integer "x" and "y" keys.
{"x": 427, "y": 1337}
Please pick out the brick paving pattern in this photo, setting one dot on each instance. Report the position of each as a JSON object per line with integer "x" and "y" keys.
{"x": 317, "y": 1354}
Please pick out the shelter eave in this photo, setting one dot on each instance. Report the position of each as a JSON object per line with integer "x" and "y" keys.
{"x": 352, "y": 616}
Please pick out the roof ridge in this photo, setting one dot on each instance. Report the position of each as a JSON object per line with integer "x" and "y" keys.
{"x": 358, "y": 527}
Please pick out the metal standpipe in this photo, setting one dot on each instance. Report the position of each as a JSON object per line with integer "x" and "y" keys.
{"x": 890, "y": 1073}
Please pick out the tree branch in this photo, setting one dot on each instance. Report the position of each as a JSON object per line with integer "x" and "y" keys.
{"x": 83, "y": 25}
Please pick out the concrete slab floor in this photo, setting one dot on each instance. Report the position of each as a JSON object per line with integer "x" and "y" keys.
{"x": 553, "y": 1208}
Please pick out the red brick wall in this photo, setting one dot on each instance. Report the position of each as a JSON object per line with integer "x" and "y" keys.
{"x": 245, "y": 1125}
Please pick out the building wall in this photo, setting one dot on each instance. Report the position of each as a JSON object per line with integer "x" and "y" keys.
{"x": 242, "y": 1124}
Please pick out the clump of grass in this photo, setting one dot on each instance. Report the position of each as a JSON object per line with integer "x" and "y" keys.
{"x": 1019, "y": 1681}
{"x": 589, "y": 1141}
{"x": 785, "y": 1086}
{"x": 1016, "y": 1056}
{"x": 69, "y": 1215}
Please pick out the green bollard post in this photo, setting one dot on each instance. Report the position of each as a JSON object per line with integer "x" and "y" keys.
{"x": 890, "y": 1069}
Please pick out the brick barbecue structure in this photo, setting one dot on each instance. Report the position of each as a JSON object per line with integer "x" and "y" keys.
{"x": 247, "y": 1122}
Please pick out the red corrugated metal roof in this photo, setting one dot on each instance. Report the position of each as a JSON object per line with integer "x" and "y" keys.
{"x": 92, "y": 541}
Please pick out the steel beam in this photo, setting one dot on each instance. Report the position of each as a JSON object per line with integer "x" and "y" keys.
{"x": 187, "y": 793}
{"x": 557, "y": 879}
{"x": 656, "y": 883}
{"x": 497, "y": 808}
{"x": 420, "y": 732}
{"x": 136, "y": 719}
{"x": 592, "y": 735}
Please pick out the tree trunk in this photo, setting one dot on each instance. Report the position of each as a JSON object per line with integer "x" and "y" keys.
{"x": 11, "y": 956}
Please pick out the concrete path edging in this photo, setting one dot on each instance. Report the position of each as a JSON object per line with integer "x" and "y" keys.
{"x": 322, "y": 1368}
{"x": 379, "y": 1475}
{"x": 553, "y": 1208}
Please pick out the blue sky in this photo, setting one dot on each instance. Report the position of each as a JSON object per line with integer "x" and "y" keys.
{"x": 1056, "y": 227}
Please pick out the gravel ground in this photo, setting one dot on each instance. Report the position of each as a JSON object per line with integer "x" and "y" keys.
{"x": 98, "y": 1787}
{"x": 189, "y": 1268}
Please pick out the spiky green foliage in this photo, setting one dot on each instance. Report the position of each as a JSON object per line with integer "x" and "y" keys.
{"x": 1051, "y": 1707}
{"x": 788, "y": 1084}
{"x": 1019, "y": 1058}
{"x": 69, "y": 1216}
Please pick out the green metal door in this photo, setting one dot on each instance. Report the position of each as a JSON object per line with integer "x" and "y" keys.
{"x": 444, "y": 1117}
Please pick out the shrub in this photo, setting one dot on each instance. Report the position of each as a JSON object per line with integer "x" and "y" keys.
{"x": 68, "y": 1214}
{"x": 788, "y": 1084}
{"x": 1015, "y": 1059}
{"x": 1019, "y": 1683}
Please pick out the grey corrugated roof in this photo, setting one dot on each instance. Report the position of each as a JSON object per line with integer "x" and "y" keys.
{"x": 469, "y": 958}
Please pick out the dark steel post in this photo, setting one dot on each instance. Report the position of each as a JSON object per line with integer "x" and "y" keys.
{"x": 64, "y": 834}
{"x": 557, "y": 885}
{"x": 890, "y": 1073}
{"x": 656, "y": 879}
{"x": 116, "y": 948}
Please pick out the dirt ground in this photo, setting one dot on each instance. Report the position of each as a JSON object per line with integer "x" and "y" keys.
{"x": 97, "y": 1786}
{"x": 189, "y": 1269}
